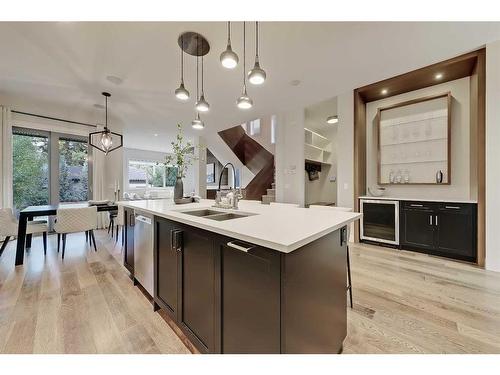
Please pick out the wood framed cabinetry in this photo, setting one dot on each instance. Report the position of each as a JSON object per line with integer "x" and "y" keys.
{"x": 445, "y": 229}
{"x": 128, "y": 248}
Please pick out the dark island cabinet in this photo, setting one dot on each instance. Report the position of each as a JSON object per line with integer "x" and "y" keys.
{"x": 229, "y": 296}
{"x": 444, "y": 229}
{"x": 250, "y": 280}
{"x": 128, "y": 256}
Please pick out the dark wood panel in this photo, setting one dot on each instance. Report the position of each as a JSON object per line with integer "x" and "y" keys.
{"x": 166, "y": 267}
{"x": 128, "y": 257}
{"x": 359, "y": 155}
{"x": 455, "y": 68}
{"x": 197, "y": 290}
{"x": 417, "y": 228}
{"x": 314, "y": 304}
{"x": 250, "y": 300}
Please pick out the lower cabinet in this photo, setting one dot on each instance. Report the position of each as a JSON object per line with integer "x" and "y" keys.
{"x": 444, "y": 229}
{"x": 128, "y": 256}
{"x": 250, "y": 281}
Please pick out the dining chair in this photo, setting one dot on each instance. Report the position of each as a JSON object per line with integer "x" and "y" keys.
{"x": 284, "y": 204}
{"x": 344, "y": 209}
{"x": 120, "y": 222}
{"x": 112, "y": 216}
{"x": 75, "y": 220}
{"x": 9, "y": 226}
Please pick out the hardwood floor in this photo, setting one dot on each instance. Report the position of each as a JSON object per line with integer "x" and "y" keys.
{"x": 86, "y": 304}
{"x": 404, "y": 302}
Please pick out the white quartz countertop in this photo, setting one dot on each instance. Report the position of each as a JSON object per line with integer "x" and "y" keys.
{"x": 284, "y": 229}
{"x": 420, "y": 199}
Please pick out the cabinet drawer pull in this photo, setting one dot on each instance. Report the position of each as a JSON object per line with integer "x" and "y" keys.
{"x": 430, "y": 219}
{"x": 453, "y": 207}
{"x": 436, "y": 221}
{"x": 416, "y": 205}
{"x": 234, "y": 245}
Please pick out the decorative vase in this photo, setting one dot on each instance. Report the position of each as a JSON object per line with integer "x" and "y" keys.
{"x": 178, "y": 188}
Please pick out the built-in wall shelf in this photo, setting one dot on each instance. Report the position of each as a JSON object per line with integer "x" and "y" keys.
{"x": 317, "y": 147}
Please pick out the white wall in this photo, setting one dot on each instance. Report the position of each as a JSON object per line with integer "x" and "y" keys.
{"x": 289, "y": 157}
{"x": 264, "y": 137}
{"x": 493, "y": 156}
{"x": 345, "y": 150}
{"x": 460, "y": 148}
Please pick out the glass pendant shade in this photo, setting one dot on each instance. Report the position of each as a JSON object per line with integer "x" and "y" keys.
{"x": 181, "y": 92}
{"x": 106, "y": 140}
{"x": 229, "y": 58}
{"x": 257, "y": 75}
{"x": 202, "y": 105}
{"x": 197, "y": 123}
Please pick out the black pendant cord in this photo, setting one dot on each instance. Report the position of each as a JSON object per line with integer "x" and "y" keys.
{"x": 228, "y": 33}
{"x": 244, "y": 58}
{"x": 106, "y": 126}
{"x": 197, "y": 71}
{"x": 182, "y": 62}
{"x": 257, "y": 41}
{"x": 202, "y": 90}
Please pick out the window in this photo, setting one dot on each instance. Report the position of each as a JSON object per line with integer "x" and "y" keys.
{"x": 211, "y": 173}
{"x": 48, "y": 168}
{"x": 150, "y": 174}
{"x": 30, "y": 168}
{"x": 255, "y": 127}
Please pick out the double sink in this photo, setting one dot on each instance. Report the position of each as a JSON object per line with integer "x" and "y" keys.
{"x": 217, "y": 215}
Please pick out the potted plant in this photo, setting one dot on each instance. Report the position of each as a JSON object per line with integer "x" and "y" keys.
{"x": 182, "y": 157}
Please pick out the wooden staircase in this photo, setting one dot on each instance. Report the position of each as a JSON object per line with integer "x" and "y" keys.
{"x": 256, "y": 158}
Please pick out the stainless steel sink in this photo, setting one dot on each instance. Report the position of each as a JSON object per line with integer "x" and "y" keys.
{"x": 217, "y": 215}
{"x": 202, "y": 213}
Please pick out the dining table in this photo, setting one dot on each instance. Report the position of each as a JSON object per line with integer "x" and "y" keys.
{"x": 29, "y": 213}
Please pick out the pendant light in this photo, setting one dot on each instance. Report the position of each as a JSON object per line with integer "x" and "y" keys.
{"x": 106, "y": 140}
{"x": 197, "y": 123}
{"x": 181, "y": 92}
{"x": 244, "y": 101}
{"x": 229, "y": 58}
{"x": 201, "y": 105}
{"x": 257, "y": 75}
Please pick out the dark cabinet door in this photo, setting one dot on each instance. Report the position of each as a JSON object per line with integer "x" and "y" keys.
{"x": 128, "y": 256}
{"x": 198, "y": 287}
{"x": 166, "y": 269}
{"x": 250, "y": 292}
{"x": 418, "y": 228}
{"x": 456, "y": 234}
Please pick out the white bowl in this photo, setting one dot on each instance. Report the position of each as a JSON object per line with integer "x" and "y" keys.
{"x": 376, "y": 191}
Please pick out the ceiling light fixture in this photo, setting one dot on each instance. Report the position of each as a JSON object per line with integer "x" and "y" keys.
{"x": 181, "y": 92}
{"x": 114, "y": 80}
{"x": 229, "y": 58}
{"x": 438, "y": 75}
{"x": 244, "y": 101}
{"x": 257, "y": 75}
{"x": 384, "y": 91}
{"x": 332, "y": 119}
{"x": 201, "y": 105}
{"x": 197, "y": 123}
{"x": 106, "y": 140}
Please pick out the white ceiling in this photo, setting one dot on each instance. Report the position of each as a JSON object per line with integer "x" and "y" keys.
{"x": 59, "y": 68}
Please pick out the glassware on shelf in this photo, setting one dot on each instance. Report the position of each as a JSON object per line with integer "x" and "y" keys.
{"x": 406, "y": 176}
{"x": 391, "y": 176}
{"x": 398, "y": 177}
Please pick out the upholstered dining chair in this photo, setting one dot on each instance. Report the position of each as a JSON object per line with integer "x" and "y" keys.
{"x": 75, "y": 220}
{"x": 344, "y": 209}
{"x": 119, "y": 221}
{"x": 9, "y": 226}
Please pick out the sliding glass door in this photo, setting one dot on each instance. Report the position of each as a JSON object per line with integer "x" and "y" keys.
{"x": 49, "y": 168}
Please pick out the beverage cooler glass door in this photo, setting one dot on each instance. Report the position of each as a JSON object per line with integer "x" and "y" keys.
{"x": 380, "y": 221}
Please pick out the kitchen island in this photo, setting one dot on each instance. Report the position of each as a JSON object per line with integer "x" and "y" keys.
{"x": 261, "y": 279}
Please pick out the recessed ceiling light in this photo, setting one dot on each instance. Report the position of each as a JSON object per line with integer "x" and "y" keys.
{"x": 115, "y": 80}
{"x": 384, "y": 91}
{"x": 295, "y": 82}
{"x": 98, "y": 106}
{"x": 155, "y": 134}
{"x": 332, "y": 119}
{"x": 438, "y": 75}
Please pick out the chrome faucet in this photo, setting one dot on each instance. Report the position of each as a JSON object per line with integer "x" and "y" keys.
{"x": 236, "y": 196}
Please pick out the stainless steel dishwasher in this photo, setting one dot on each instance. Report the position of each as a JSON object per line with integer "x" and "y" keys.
{"x": 143, "y": 250}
